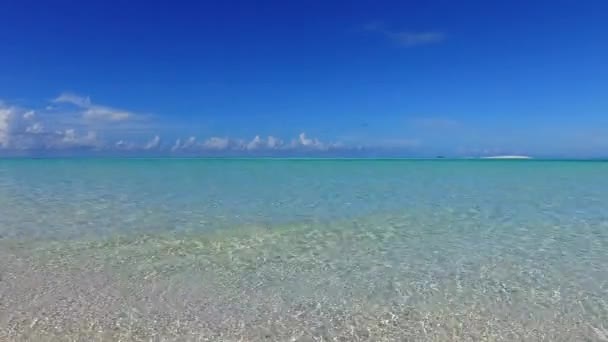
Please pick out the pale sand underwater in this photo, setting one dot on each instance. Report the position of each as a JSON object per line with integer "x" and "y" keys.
{"x": 303, "y": 251}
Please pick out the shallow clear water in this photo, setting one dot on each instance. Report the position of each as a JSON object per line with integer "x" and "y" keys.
{"x": 307, "y": 250}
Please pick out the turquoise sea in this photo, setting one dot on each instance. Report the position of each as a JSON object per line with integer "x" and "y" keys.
{"x": 303, "y": 250}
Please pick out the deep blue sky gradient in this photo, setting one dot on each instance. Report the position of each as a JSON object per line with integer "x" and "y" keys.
{"x": 525, "y": 77}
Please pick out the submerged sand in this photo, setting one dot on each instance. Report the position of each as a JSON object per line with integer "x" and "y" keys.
{"x": 368, "y": 282}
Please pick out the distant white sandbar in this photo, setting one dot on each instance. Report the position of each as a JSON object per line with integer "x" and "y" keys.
{"x": 507, "y": 157}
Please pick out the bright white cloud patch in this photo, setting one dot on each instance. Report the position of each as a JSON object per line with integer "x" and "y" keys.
{"x": 94, "y": 112}
{"x": 307, "y": 142}
{"x": 22, "y": 129}
{"x": 256, "y": 145}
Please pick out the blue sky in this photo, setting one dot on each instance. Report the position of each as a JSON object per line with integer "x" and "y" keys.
{"x": 402, "y": 78}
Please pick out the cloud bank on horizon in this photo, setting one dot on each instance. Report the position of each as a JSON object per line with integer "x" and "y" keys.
{"x": 74, "y": 123}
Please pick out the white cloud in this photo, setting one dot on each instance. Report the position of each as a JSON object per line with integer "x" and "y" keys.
{"x": 74, "y": 99}
{"x": 125, "y": 145}
{"x": 25, "y": 129}
{"x": 255, "y": 143}
{"x": 407, "y": 38}
{"x": 177, "y": 145}
{"x": 105, "y": 113}
{"x": 188, "y": 144}
{"x": 305, "y": 142}
{"x": 153, "y": 144}
{"x": 71, "y": 138}
{"x": 273, "y": 142}
{"x": 63, "y": 128}
{"x": 35, "y": 128}
{"x": 29, "y": 115}
{"x": 6, "y": 122}
{"x": 191, "y": 142}
{"x": 216, "y": 143}
{"x": 20, "y": 131}
{"x": 94, "y": 112}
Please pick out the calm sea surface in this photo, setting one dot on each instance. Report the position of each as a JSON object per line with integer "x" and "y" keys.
{"x": 303, "y": 250}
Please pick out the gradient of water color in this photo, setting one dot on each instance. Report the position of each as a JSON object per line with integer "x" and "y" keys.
{"x": 303, "y": 250}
